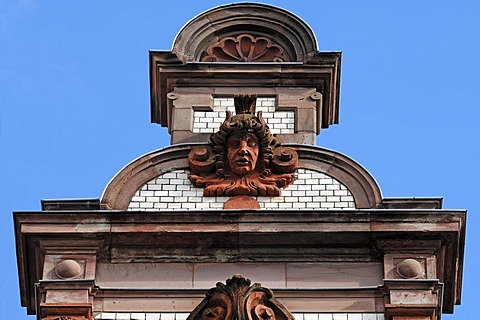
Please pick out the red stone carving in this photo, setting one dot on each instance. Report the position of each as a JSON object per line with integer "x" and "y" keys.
{"x": 241, "y": 202}
{"x": 238, "y": 300}
{"x": 245, "y": 48}
{"x": 243, "y": 157}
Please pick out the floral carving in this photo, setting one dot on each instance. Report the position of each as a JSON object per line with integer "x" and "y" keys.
{"x": 245, "y": 48}
{"x": 243, "y": 157}
{"x": 238, "y": 300}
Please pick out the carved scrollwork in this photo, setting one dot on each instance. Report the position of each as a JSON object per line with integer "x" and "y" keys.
{"x": 245, "y": 48}
{"x": 238, "y": 299}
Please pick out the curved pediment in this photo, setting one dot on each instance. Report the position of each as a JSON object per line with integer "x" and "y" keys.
{"x": 260, "y": 32}
{"x": 325, "y": 179}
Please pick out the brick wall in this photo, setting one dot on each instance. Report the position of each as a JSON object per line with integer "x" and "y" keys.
{"x": 183, "y": 316}
{"x": 173, "y": 191}
{"x": 278, "y": 121}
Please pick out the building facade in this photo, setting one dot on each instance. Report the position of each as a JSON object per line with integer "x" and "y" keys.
{"x": 243, "y": 216}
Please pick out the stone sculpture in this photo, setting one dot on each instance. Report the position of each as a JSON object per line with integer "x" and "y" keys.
{"x": 243, "y": 157}
{"x": 238, "y": 300}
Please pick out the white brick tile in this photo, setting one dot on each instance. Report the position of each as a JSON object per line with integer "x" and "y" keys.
{"x": 194, "y": 198}
{"x": 280, "y": 114}
{"x": 304, "y": 176}
{"x": 312, "y": 193}
{"x": 181, "y": 316}
{"x": 354, "y": 316}
{"x": 270, "y": 205}
{"x": 299, "y": 193}
{"x": 310, "y": 316}
{"x": 304, "y": 199}
{"x": 290, "y": 199}
{"x": 173, "y": 205}
{"x": 146, "y": 204}
{"x": 340, "y": 316}
{"x": 202, "y": 205}
{"x": 138, "y": 199}
{"x": 169, "y": 175}
{"x": 341, "y": 205}
{"x": 326, "y": 192}
{"x": 152, "y": 316}
{"x": 152, "y": 199}
{"x": 313, "y": 205}
{"x": 326, "y": 205}
{"x": 160, "y": 205}
{"x": 166, "y": 199}
{"x": 285, "y": 205}
{"x": 319, "y": 187}
{"x": 298, "y": 316}
{"x": 333, "y": 187}
{"x": 188, "y": 205}
{"x": 160, "y": 193}
{"x": 184, "y": 187}
{"x": 347, "y": 198}
{"x": 326, "y": 181}
{"x": 380, "y": 316}
{"x": 340, "y": 192}
{"x": 123, "y": 316}
{"x": 369, "y": 316}
{"x": 206, "y": 119}
{"x": 153, "y": 187}
{"x": 134, "y": 205}
{"x": 175, "y": 193}
{"x": 108, "y": 315}
{"x": 333, "y": 199}
{"x": 179, "y": 199}
{"x": 325, "y": 316}
{"x": 288, "y": 120}
{"x": 146, "y": 193}
{"x": 169, "y": 187}
{"x": 176, "y": 181}
{"x": 299, "y": 205}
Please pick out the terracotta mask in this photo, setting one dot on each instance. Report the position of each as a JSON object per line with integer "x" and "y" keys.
{"x": 242, "y": 153}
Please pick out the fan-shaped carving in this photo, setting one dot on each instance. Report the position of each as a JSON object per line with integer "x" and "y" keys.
{"x": 237, "y": 300}
{"x": 245, "y": 48}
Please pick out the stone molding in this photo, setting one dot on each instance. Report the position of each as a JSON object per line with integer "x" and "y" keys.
{"x": 123, "y": 186}
{"x": 234, "y": 236}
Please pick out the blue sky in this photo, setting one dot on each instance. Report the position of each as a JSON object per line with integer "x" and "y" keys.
{"x": 74, "y": 102}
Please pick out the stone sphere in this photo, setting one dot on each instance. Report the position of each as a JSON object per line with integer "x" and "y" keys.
{"x": 410, "y": 269}
{"x": 68, "y": 269}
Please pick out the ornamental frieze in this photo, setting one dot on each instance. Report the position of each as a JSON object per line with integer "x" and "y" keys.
{"x": 245, "y": 48}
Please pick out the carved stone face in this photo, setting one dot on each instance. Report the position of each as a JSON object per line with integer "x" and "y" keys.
{"x": 242, "y": 153}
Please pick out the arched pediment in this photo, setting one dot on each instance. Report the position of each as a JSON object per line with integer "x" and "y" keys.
{"x": 267, "y": 27}
{"x": 343, "y": 171}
